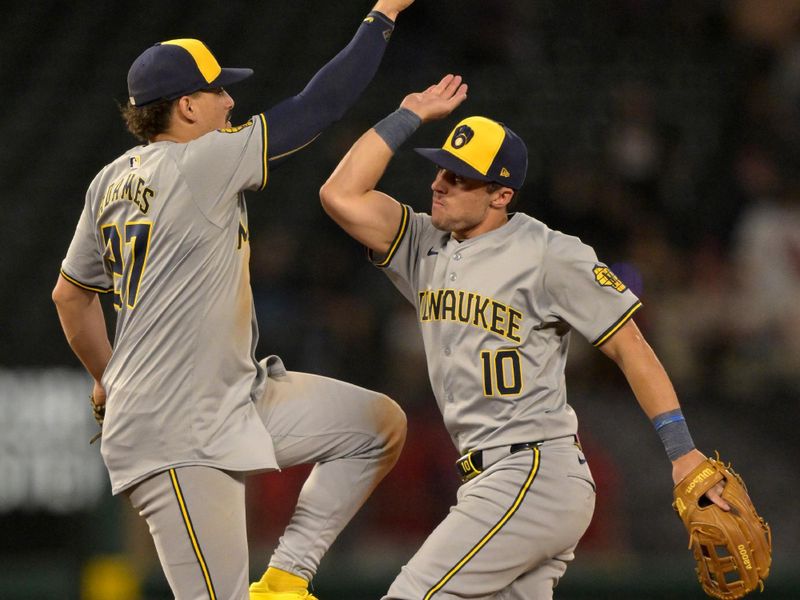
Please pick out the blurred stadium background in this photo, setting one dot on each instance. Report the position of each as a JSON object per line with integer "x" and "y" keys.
{"x": 665, "y": 133}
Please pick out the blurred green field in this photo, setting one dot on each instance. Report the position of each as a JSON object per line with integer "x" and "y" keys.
{"x": 667, "y": 579}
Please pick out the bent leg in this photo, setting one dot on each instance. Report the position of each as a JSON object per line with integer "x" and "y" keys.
{"x": 353, "y": 435}
{"x": 196, "y": 517}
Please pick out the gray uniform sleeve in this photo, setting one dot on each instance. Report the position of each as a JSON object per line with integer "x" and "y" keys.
{"x": 84, "y": 265}
{"x": 402, "y": 260}
{"x": 582, "y": 291}
{"x": 224, "y": 162}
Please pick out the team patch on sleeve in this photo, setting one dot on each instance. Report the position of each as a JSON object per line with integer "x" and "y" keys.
{"x": 606, "y": 278}
{"x": 236, "y": 129}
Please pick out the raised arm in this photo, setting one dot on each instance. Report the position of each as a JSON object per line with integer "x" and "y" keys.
{"x": 654, "y": 392}
{"x": 297, "y": 121}
{"x": 349, "y": 195}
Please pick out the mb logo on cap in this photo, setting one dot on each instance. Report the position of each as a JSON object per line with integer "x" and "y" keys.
{"x": 461, "y": 135}
{"x": 482, "y": 149}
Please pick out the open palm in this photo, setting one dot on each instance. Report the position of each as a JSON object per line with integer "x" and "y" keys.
{"x": 438, "y": 100}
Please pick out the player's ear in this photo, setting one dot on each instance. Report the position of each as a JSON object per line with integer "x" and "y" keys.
{"x": 501, "y": 197}
{"x": 185, "y": 109}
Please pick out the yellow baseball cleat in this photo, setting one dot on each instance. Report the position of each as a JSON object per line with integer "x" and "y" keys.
{"x": 276, "y": 584}
{"x": 260, "y": 593}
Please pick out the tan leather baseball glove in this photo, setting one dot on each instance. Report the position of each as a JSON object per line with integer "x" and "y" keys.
{"x": 733, "y": 549}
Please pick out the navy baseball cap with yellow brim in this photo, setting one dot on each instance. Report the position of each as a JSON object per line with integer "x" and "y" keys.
{"x": 176, "y": 68}
{"x": 482, "y": 149}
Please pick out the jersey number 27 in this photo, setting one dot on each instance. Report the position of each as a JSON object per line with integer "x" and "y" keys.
{"x": 128, "y": 260}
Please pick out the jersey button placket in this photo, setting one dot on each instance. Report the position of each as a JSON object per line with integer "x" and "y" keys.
{"x": 447, "y": 350}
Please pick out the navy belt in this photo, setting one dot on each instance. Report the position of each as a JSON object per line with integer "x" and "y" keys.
{"x": 473, "y": 463}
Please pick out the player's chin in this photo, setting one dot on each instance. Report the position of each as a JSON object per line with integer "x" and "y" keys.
{"x": 439, "y": 220}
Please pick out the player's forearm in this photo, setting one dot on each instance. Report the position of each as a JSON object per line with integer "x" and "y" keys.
{"x": 654, "y": 392}
{"x": 338, "y": 84}
{"x": 350, "y": 199}
{"x": 650, "y": 384}
{"x": 363, "y": 166}
{"x": 657, "y": 397}
{"x": 296, "y": 121}
{"x": 360, "y": 170}
{"x": 644, "y": 372}
{"x": 84, "y": 326}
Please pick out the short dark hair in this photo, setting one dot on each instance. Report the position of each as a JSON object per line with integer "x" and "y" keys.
{"x": 146, "y": 122}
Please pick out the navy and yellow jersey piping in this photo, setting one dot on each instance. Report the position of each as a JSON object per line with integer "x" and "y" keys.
{"x": 264, "y": 160}
{"x": 398, "y": 237}
{"x": 290, "y": 152}
{"x": 187, "y": 521}
{"x": 85, "y": 286}
{"x": 494, "y": 530}
{"x": 604, "y": 337}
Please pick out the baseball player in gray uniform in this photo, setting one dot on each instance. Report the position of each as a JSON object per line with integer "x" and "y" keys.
{"x": 496, "y": 295}
{"x": 189, "y": 411}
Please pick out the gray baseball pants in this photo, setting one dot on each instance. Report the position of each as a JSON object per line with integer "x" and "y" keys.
{"x": 511, "y": 533}
{"x": 196, "y": 514}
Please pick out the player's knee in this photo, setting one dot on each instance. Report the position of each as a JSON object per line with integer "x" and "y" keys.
{"x": 392, "y": 425}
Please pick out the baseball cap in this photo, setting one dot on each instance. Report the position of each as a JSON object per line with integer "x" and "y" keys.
{"x": 175, "y": 68}
{"x": 482, "y": 149}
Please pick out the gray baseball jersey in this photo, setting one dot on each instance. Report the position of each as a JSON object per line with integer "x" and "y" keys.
{"x": 495, "y": 314}
{"x": 164, "y": 228}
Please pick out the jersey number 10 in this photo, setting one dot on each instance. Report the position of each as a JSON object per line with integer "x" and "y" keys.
{"x": 128, "y": 267}
{"x": 502, "y": 374}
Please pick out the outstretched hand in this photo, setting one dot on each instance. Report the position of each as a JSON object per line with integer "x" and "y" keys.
{"x": 437, "y": 101}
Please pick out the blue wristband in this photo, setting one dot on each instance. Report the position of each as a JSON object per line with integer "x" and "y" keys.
{"x": 398, "y": 127}
{"x": 668, "y": 417}
{"x": 674, "y": 433}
